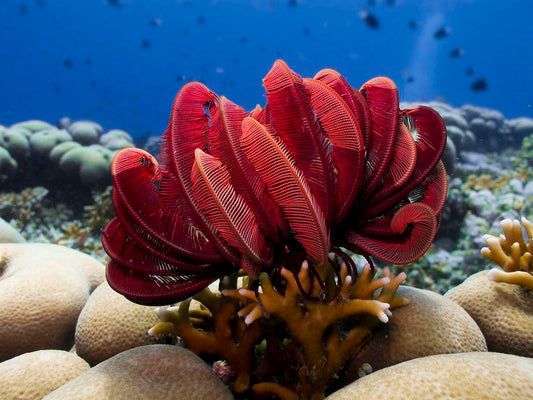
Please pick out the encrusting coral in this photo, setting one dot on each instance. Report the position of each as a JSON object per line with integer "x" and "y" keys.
{"x": 511, "y": 252}
{"x": 301, "y": 335}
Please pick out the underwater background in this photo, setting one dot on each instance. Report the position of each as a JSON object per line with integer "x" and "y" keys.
{"x": 121, "y": 62}
{"x": 84, "y": 80}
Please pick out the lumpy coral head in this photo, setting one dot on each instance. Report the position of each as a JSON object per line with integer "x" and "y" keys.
{"x": 320, "y": 167}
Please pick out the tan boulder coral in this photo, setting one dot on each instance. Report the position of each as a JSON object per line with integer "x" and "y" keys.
{"x": 429, "y": 324}
{"x": 31, "y": 376}
{"x": 148, "y": 372}
{"x": 501, "y": 301}
{"x": 462, "y": 376}
{"x": 109, "y": 324}
{"x": 43, "y": 288}
{"x": 503, "y": 311}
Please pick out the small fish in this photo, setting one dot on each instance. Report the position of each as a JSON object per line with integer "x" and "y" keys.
{"x": 200, "y": 20}
{"x": 88, "y": 62}
{"x": 479, "y": 86}
{"x": 156, "y": 22}
{"x": 369, "y": 19}
{"x": 23, "y": 10}
{"x": 456, "y": 53}
{"x": 306, "y": 31}
{"x": 68, "y": 63}
{"x": 442, "y": 32}
{"x": 469, "y": 71}
{"x": 391, "y": 2}
{"x": 371, "y": 3}
{"x": 292, "y": 3}
{"x": 413, "y": 24}
{"x": 410, "y": 79}
{"x": 145, "y": 44}
{"x": 115, "y": 3}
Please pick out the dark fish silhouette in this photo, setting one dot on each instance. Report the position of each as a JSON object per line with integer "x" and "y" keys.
{"x": 115, "y": 3}
{"x": 145, "y": 44}
{"x": 469, "y": 71}
{"x": 68, "y": 63}
{"x": 442, "y": 32}
{"x": 410, "y": 79}
{"x": 371, "y": 3}
{"x": 391, "y": 2}
{"x": 156, "y": 22}
{"x": 369, "y": 19}
{"x": 479, "y": 86}
{"x": 413, "y": 24}
{"x": 456, "y": 53}
{"x": 292, "y": 3}
{"x": 23, "y": 9}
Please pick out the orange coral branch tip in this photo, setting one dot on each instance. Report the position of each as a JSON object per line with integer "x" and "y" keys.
{"x": 383, "y": 311}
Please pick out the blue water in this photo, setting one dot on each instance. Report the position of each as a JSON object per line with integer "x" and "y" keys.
{"x": 88, "y": 59}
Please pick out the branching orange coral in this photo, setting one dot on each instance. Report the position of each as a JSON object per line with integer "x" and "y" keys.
{"x": 512, "y": 252}
{"x": 306, "y": 345}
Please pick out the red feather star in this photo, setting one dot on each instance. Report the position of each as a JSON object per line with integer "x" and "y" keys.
{"x": 321, "y": 168}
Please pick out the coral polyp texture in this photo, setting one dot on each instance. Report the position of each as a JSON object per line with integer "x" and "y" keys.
{"x": 280, "y": 193}
{"x": 512, "y": 252}
{"x": 322, "y": 167}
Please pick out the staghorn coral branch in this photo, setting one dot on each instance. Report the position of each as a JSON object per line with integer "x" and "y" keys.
{"x": 512, "y": 252}
{"x": 176, "y": 320}
{"x": 521, "y": 278}
{"x": 308, "y": 320}
{"x": 302, "y": 332}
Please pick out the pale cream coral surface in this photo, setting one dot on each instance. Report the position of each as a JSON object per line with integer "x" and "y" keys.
{"x": 429, "y": 324}
{"x": 109, "y": 324}
{"x": 461, "y": 376}
{"x": 155, "y": 372}
{"x": 43, "y": 288}
{"x": 503, "y": 311}
{"x": 31, "y": 376}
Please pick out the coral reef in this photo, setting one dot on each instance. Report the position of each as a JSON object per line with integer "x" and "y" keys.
{"x": 512, "y": 252}
{"x": 146, "y": 372}
{"x": 501, "y": 310}
{"x": 302, "y": 330}
{"x": 33, "y": 375}
{"x": 463, "y": 376}
{"x": 37, "y": 152}
{"x": 429, "y": 324}
{"x": 110, "y": 324}
{"x": 43, "y": 288}
{"x": 39, "y": 218}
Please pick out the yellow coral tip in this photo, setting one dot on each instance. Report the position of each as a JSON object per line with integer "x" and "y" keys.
{"x": 161, "y": 327}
